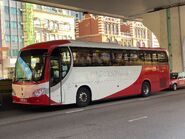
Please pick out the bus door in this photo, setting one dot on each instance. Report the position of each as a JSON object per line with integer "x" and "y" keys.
{"x": 55, "y": 78}
{"x": 65, "y": 64}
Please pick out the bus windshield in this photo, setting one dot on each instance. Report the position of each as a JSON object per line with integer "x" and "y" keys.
{"x": 30, "y": 65}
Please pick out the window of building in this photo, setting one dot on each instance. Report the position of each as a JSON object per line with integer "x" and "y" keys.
{"x": 13, "y": 10}
{"x": 6, "y": 8}
{"x": 20, "y": 39}
{"x": 7, "y": 24}
{"x": 38, "y": 36}
{"x": 105, "y": 28}
{"x": 13, "y": 24}
{"x": 56, "y": 26}
{"x": 51, "y": 25}
{"x": 7, "y": 38}
{"x": 37, "y": 22}
{"x": 46, "y": 23}
{"x": 108, "y": 30}
{"x": 19, "y": 12}
{"x": 111, "y": 29}
{"x": 14, "y": 38}
{"x": 20, "y": 26}
{"x": 47, "y": 37}
{"x": 144, "y": 33}
{"x": 52, "y": 37}
{"x": 15, "y": 52}
{"x": 38, "y": 7}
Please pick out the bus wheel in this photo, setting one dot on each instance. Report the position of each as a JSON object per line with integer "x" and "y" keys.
{"x": 83, "y": 97}
{"x": 145, "y": 90}
{"x": 174, "y": 87}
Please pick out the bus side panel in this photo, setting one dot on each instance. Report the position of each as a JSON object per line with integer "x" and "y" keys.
{"x": 151, "y": 74}
{"x": 103, "y": 81}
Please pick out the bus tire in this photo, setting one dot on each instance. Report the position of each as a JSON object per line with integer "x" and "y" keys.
{"x": 83, "y": 97}
{"x": 174, "y": 87}
{"x": 145, "y": 89}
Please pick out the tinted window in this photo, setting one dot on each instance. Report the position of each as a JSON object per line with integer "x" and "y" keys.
{"x": 126, "y": 57}
{"x": 162, "y": 57}
{"x": 90, "y": 57}
{"x": 148, "y": 58}
{"x": 134, "y": 60}
{"x": 106, "y": 57}
{"x": 101, "y": 57}
{"x": 81, "y": 57}
{"x": 117, "y": 58}
{"x": 65, "y": 59}
{"x": 154, "y": 57}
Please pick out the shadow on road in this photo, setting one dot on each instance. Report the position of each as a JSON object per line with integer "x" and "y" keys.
{"x": 9, "y": 106}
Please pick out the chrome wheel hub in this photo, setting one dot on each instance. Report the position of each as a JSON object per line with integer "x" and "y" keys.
{"x": 83, "y": 97}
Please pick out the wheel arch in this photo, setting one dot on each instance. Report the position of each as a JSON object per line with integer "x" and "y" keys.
{"x": 85, "y": 86}
{"x": 146, "y": 81}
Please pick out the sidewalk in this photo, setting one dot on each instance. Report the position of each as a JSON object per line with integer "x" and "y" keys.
{"x": 6, "y": 94}
{"x": 6, "y": 101}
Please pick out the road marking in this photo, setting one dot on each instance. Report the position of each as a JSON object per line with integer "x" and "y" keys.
{"x": 139, "y": 118}
{"x": 143, "y": 99}
{"x": 74, "y": 111}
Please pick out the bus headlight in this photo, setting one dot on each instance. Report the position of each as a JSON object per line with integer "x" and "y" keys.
{"x": 13, "y": 93}
{"x": 39, "y": 92}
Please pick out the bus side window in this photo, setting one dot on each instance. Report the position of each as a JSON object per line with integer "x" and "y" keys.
{"x": 162, "y": 57}
{"x": 141, "y": 57}
{"x": 54, "y": 67}
{"x": 148, "y": 58}
{"x": 65, "y": 61}
{"x": 117, "y": 58}
{"x": 82, "y": 57}
{"x": 54, "y": 71}
{"x": 133, "y": 58}
{"x": 126, "y": 55}
{"x": 105, "y": 57}
{"x": 96, "y": 58}
{"x": 154, "y": 58}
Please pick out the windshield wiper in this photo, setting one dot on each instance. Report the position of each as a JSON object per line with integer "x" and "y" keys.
{"x": 22, "y": 79}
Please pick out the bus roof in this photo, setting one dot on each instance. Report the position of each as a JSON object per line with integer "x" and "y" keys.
{"x": 45, "y": 45}
{"x": 75, "y": 43}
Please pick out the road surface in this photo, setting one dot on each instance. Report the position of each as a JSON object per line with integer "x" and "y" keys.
{"x": 160, "y": 116}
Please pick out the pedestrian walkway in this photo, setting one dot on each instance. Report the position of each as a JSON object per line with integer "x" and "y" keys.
{"x": 5, "y": 94}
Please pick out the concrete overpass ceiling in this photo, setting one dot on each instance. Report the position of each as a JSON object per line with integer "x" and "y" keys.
{"x": 116, "y": 8}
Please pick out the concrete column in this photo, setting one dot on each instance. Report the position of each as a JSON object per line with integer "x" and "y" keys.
{"x": 157, "y": 23}
{"x": 182, "y": 29}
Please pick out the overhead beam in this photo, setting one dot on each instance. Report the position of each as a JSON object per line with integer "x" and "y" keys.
{"x": 115, "y": 8}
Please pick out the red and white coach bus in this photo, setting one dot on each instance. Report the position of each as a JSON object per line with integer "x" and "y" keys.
{"x": 66, "y": 72}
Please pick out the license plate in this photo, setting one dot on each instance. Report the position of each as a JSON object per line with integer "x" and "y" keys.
{"x": 23, "y": 100}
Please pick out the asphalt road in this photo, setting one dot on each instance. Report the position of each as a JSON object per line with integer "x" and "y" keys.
{"x": 156, "y": 117}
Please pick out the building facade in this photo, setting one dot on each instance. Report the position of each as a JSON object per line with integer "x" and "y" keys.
{"x": 11, "y": 35}
{"x": 114, "y": 30}
{"x": 98, "y": 29}
{"x": 140, "y": 34}
{"x": 47, "y": 23}
{"x": 23, "y": 24}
